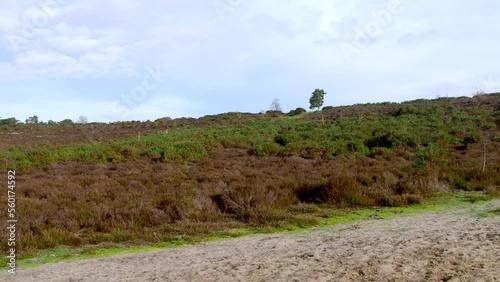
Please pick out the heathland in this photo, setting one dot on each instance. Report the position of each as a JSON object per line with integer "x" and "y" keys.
{"x": 171, "y": 180}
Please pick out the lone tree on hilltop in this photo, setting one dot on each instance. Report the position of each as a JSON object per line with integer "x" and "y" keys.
{"x": 276, "y": 105}
{"x": 317, "y": 99}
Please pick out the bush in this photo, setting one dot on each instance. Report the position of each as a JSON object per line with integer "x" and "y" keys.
{"x": 460, "y": 184}
{"x": 335, "y": 148}
{"x": 391, "y": 201}
{"x": 171, "y": 206}
{"x": 383, "y": 138}
{"x": 253, "y": 203}
{"x": 432, "y": 155}
{"x": 339, "y": 190}
{"x": 154, "y": 153}
{"x": 358, "y": 148}
{"x": 274, "y": 113}
{"x": 285, "y": 139}
{"x": 304, "y": 148}
{"x": 8, "y": 121}
{"x": 471, "y": 138}
{"x": 67, "y": 122}
{"x": 297, "y": 111}
{"x": 191, "y": 149}
{"x": 238, "y": 141}
{"x": 265, "y": 149}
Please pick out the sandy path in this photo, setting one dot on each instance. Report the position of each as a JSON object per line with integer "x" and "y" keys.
{"x": 436, "y": 246}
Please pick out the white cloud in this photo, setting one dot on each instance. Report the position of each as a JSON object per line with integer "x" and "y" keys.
{"x": 37, "y": 58}
{"x": 260, "y": 48}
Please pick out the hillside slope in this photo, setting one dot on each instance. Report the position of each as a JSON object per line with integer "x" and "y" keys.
{"x": 189, "y": 179}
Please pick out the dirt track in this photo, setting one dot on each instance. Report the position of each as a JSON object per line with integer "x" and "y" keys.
{"x": 439, "y": 246}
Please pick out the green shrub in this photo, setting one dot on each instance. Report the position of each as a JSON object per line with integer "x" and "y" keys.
{"x": 153, "y": 153}
{"x": 297, "y": 111}
{"x": 191, "y": 149}
{"x": 40, "y": 157}
{"x": 265, "y": 149}
{"x": 335, "y": 148}
{"x": 460, "y": 184}
{"x": 357, "y": 147}
{"x": 274, "y": 113}
{"x": 473, "y": 136}
{"x": 285, "y": 139}
{"x": 432, "y": 155}
{"x": 237, "y": 141}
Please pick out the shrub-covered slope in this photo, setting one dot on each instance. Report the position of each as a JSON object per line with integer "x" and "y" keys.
{"x": 158, "y": 181}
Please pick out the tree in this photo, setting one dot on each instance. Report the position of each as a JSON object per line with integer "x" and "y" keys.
{"x": 32, "y": 120}
{"x": 66, "y": 122}
{"x": 478, "y": 92}
{"x": 317, "y": 99}
{"x": 83, "y": 120}
{"x": 275, "y": 105}
{"x": 8, "y": 121}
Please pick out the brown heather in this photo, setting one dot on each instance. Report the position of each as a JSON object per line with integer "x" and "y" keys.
{"x": 149, "y": 200}
{"x": 84, "y": 203}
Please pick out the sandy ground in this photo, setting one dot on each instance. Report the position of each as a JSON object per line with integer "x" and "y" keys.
{"x": 436, "y": 246}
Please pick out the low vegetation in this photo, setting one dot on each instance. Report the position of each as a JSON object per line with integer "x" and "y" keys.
{"x": 322, "y": 216}
{"x": 173, "y": 179}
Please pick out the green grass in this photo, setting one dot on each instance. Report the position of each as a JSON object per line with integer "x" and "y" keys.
{"x": 440, "y": 202}
{"x": 491, "y": 213}
{"x": 431, "y": 130}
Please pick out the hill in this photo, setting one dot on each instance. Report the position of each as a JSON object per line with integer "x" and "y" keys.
{"x": 168, "y": 180}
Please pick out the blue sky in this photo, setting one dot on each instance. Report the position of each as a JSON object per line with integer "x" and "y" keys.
{"x": 138, "y": 60}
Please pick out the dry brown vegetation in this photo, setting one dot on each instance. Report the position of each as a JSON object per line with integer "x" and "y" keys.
{"x": 282, "y": 180}
{"x": 84, "y": 203}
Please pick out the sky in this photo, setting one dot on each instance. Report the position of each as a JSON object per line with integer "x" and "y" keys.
{"x": 122, "y": 60}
